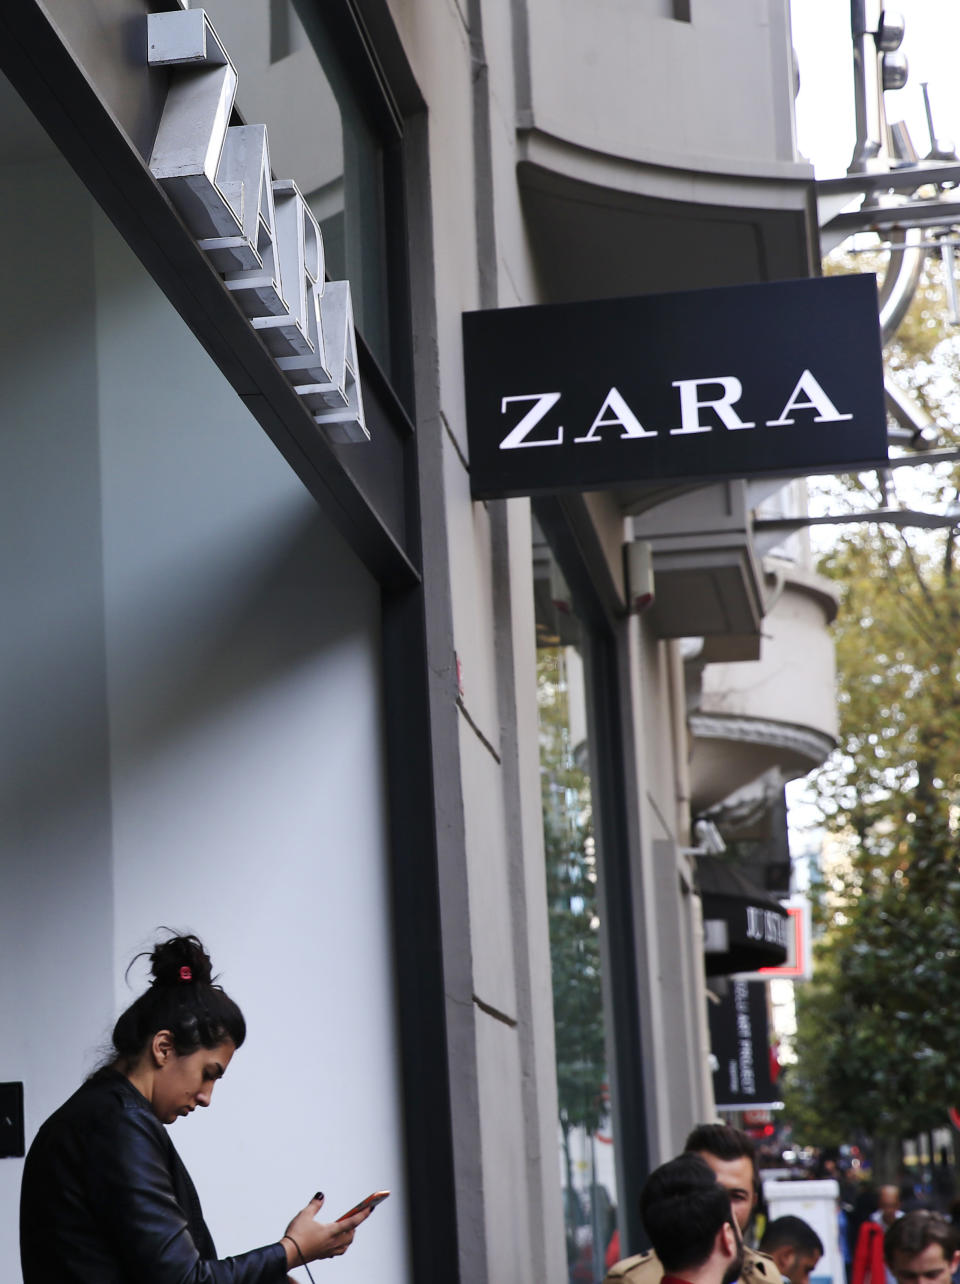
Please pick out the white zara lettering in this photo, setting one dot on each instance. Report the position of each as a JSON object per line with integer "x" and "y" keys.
{"x": 258, "y": 290}
{"x": 297, "y": 337}
{"x": 615, "y": 411}
{"x": 691, "y": 404}
{"x": 188, "y": 150}
{"x": 258, "y": 233}
{"x": 339, "y": 399}
{"x": 516, "y": 438}
{"x": 816, "y": 399}
{"x": 302, "y": 263}
{"x": 808, "y": 394}
{"x": 754, "y": 923}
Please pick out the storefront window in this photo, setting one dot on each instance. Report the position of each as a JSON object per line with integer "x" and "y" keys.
{"x": 326, "y": 135}
{"x": 587, "y": 1169}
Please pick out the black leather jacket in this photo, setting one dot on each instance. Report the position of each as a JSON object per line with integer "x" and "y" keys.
{"x": 106, "y": 1200}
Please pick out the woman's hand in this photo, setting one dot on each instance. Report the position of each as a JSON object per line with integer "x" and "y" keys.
{"x": 316, "y": 1240}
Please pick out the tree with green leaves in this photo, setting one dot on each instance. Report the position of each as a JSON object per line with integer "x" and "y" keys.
{"x": 877, "y": 1050}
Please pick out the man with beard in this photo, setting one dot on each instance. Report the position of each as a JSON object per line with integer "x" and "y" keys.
{"x": 687, "y": 1215}
{"x": 795, "y": 1247}
{"x": 729, "y": 1153}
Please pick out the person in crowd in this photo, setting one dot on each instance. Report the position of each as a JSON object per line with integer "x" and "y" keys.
{"x": 888, "y": 1206}
{"x": 942, "y": 1181}
{"x": 864, "y": 1204}
{"x": 795, "y": 1247}
{"x": 730, "y": 1154}
{"x": 887, "y": 1212}
{"x": 105, "y": 1198}
{"x": 689, "y": 1220}
{"x": 922, "y": 1247}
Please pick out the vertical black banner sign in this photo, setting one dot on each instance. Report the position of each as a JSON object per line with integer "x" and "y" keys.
{"x": 740, "y": 1039}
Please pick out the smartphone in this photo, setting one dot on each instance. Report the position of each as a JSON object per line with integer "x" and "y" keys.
{"x": 371, "y": 1201}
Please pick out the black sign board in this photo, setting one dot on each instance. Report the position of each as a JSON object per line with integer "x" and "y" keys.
{"x": 744, "y": 928}
{"x": 740, "y": 1040}
{"x": 782, "y": 379}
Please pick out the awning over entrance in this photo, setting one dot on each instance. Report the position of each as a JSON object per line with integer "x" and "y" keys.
{"x": 744, "y": 927}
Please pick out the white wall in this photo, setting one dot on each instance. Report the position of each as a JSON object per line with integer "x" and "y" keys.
{"x": 56, "y": 910}
{"x": 239, "y": 639}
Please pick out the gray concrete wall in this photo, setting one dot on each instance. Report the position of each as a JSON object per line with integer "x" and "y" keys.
{"x": 509, "y": 1192}
{"x": 705, "y": 94}
{"x": 671, "y": 990}
{"x": 793, "y": 681}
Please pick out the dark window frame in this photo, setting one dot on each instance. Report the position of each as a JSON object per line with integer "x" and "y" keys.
{"x": 385, "y": 112}
{"x": 566, "y": 523}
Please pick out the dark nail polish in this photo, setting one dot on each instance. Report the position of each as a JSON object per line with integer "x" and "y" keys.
{"x": 319, "y": 1195}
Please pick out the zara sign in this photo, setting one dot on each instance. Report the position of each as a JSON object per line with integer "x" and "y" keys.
{"x": 259, "y": 233}
{"x": 782, "y": 379}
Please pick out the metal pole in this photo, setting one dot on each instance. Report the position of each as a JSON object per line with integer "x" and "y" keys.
{"x": 867, "y": 93}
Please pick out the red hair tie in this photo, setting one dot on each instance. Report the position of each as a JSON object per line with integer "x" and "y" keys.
{"x": 186, "y": 974}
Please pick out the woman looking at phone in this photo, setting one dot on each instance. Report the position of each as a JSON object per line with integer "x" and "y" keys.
{"x": 105, "y": 1196}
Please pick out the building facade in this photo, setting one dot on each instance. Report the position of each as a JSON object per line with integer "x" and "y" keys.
{"x": 270, "y": 672}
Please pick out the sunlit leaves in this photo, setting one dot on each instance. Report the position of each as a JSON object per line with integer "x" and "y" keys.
{"x": 878, "y": 1048}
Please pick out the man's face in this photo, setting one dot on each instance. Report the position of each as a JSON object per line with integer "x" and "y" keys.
{"x": 888, "y": 1203}
{"x": 798, "y": 1268}
{"x": 736, "y": 1178}
{"x": 931, "y": 1266}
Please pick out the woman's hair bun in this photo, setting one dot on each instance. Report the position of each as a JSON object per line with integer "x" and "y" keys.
{"x": 180, "y": 959}
{"x": 182, "y": 999}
